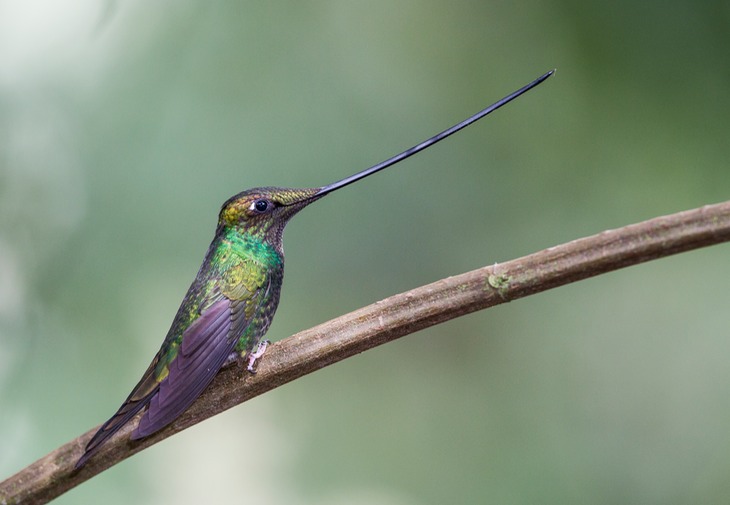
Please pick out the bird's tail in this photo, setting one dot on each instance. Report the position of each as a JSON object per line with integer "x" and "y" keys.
{"x": 127, "y": 411}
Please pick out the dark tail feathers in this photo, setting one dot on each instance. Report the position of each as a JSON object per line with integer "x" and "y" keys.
{"x": 127, "y": 411}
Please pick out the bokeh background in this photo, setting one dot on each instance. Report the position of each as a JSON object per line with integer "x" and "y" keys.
{"x": 125, "y": 125}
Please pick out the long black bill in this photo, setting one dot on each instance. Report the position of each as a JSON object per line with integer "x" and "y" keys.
{"x": 428, "y": 143}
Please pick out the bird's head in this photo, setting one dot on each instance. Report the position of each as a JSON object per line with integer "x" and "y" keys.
{"x": 264, "y": 212}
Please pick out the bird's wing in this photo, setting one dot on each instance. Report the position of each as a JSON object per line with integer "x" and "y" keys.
{"x": 205, "y": 346}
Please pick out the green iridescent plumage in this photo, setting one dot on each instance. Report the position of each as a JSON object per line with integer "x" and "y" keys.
{"x": 230, "y": 304}
{"x": 226, "y": 311}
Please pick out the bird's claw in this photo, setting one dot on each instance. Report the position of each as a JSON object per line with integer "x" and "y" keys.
{"x": 254, "y": 356}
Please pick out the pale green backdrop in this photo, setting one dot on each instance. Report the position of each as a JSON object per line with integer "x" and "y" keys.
{"x": 125, "y": 125}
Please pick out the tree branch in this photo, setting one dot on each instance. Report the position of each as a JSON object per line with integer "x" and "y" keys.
{"x": 384, "y": 321}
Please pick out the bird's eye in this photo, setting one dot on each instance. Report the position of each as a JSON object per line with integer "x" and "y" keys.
{"x": 260, "y": 206}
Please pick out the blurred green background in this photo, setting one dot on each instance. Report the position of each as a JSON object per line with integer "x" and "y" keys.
{"x": 125, "y": 125}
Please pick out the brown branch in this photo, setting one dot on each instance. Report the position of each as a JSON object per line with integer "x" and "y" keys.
{"x": 387, "y": 320}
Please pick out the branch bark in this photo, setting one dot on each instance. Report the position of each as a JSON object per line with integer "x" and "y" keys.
{"x": 387, "y": 320}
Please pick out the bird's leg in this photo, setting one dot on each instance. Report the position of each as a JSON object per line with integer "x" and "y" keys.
{"x": 260, "y": 350}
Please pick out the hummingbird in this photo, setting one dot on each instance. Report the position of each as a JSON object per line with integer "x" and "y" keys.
{"x": 232, "y": 300}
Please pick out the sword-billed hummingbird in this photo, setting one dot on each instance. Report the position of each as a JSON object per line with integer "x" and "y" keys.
{"x": 232, "y": 300}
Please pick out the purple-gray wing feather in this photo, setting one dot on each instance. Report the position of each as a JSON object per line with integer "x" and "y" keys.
{"x": 205, "y": 346}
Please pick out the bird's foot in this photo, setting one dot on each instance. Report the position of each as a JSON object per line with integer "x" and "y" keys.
{"x": 254, "y": 356}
